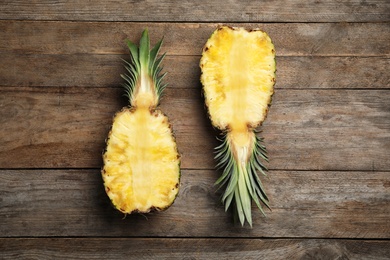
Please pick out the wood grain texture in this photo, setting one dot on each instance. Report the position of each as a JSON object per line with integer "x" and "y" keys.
{"x": 315, "y": 204}
{"x": 203, "y": 248}
{"x": 202, "y": 11}
{"x": 327, "y": 133}
{"x": 91, "y": 70}
{"x": 290, "y": 39}
{"x": 305, "y": 129}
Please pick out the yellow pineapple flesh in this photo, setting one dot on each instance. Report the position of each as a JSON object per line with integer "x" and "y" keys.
{"x": 238, "y": 75}
{"x": 141, "y": 170}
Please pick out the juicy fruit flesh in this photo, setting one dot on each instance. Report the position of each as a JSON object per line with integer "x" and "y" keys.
{"x": 240, "y": 78}
{"x": 238, "y": 75}
{"x": 141, "y": 169}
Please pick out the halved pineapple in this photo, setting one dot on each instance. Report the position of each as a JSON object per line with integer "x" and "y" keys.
{"x": 238, "y": 75}
{"x": 141, "y": 169}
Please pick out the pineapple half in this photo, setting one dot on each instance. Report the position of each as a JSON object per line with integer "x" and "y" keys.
{"x": 238, "y": 74}
{"x": 141, "y": 170}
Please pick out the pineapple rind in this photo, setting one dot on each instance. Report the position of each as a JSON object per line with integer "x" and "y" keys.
{"x": 141, "y": 174}
{"x": 141, "y": 169}
{"x": 238, "y": 74}
{"x": 226, "y": 88}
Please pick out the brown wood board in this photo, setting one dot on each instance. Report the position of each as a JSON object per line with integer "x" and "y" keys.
{"x": 290, "y": 39}
{"x": 305, "y": 204}
{"x": 305, "y": 129}
{"x": 194, "y": 248}
{"x": 202, "y": 11}
{"x": 327, "y": 132}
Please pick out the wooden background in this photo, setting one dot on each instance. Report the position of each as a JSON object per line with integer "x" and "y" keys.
{"x": 328, "y": 130}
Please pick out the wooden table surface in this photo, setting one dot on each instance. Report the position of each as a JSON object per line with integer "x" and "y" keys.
{"x": 327, "y": 133}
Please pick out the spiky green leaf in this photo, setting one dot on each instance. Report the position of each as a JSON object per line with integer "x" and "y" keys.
{"x": 146, "y": 62}
{"x": 241, "y": 181}
{"x": 144, "y": 52}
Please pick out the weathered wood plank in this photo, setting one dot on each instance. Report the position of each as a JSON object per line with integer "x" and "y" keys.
{"x": 305, "y": 130}
{"x": 329, "y": 128}
{"x": 59, "y": 88}
{"x": 290, "y": 39}
{"x": 304, "y": 204}
{"x": 202, "y": 11}
{"x": 84, "y": 70}
{"x": 66, "y": 127}
{"x": 202, "y": 248}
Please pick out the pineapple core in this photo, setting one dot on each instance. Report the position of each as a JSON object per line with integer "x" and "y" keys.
{"x": 141, "y": 170}
{"x": 238, "y": 75}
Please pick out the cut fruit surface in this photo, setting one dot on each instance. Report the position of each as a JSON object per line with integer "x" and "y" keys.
{"x": 238, "y": 75}
{"x": 141, "y": 169}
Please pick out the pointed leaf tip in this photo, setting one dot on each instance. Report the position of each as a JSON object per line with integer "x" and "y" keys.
{"x": 134, "y": 52}
{"x": 144, "y": 52}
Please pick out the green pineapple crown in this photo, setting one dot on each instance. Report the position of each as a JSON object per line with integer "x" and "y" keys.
{"x": 241, "y": 179}
{"x": 144, "y": 71}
